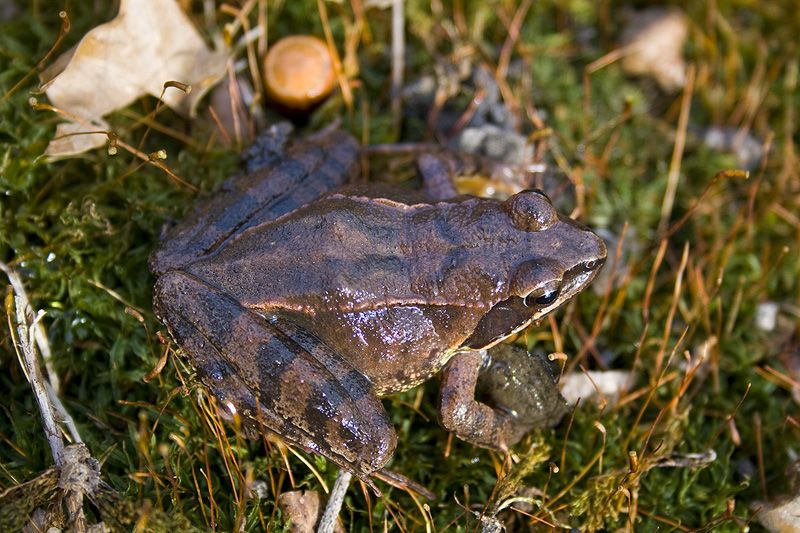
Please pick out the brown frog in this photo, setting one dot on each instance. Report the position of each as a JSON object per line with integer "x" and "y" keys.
{"x": 301, "y": 302}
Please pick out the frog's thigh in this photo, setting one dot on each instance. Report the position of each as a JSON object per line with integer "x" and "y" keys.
{"x": 470, "y": 420}
{"x": 272, "y": 381}
{"x": 302, "y": 175}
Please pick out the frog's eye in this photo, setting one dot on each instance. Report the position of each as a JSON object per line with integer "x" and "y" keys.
{"x": 531, "y": 210}
{"x": 537, "y": 282}
{"x": 549, "y": 296}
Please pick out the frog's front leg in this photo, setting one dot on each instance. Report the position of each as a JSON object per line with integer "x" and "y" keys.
{"x": 460, "y": 413}
{"x": 292, "y": 387}
{"x": 519, "y": 386}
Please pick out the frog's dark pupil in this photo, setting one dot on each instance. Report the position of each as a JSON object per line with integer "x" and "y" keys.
{"x": 545, "y": 299}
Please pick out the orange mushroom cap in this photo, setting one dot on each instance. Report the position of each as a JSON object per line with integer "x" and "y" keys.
{"x": 298, "y": 71}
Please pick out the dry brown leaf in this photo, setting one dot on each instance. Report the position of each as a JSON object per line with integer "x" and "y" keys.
{"x": 781, "y": 518}
{"x": 149, "y": 43}
{"x": 304, "y": 509}
{"x": 654, "y": 38}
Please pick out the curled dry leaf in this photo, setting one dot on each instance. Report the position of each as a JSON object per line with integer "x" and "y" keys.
{"x": 149, "y": 43}
{"x": 653, "y": 39}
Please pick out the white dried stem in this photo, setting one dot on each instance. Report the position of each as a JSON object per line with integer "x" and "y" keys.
{"x": 29, "y": 333}
{"x": 329, "y": 517}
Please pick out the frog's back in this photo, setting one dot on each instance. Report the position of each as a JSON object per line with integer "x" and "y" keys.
{"x": 318, "y": 253}
{"x": 348, "y": 253}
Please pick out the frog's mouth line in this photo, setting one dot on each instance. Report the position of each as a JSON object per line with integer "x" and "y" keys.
{"x": 513, "y": 315}
{"x": 573, "y": 282}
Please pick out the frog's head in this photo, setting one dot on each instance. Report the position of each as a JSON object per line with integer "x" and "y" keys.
{"x": 561, "y": 258}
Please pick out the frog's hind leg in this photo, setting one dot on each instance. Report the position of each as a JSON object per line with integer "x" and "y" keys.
{"x": 306, "y": 171}
{"x": 299, "y": 391}
{"x": 439, "y": 170}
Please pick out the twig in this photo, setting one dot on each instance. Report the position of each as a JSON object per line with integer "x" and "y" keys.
{"x": 27, "y": 359}
{"x": 38, "y": 330}
{"x": 328, "y": 520}
{"x": 28, "y": 337}
{"x": 398, "y": 62}
{"x": 63, "y": 415}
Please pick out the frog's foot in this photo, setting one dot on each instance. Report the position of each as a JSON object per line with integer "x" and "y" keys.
{"x": 268, "y": 147}
{"x": 470, "y": 420}
{"x": 439, "y": 170}
{"x": 522, "y": 384}
{"x": 303, "y": 393}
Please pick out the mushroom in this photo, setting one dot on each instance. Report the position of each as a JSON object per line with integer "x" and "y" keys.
{"x": 299, "y": 74}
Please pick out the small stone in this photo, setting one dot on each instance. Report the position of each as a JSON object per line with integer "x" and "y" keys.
{"x": 767, "y": 316}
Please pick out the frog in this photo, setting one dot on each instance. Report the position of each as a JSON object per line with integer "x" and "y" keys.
{"x": 302, "y": 297}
